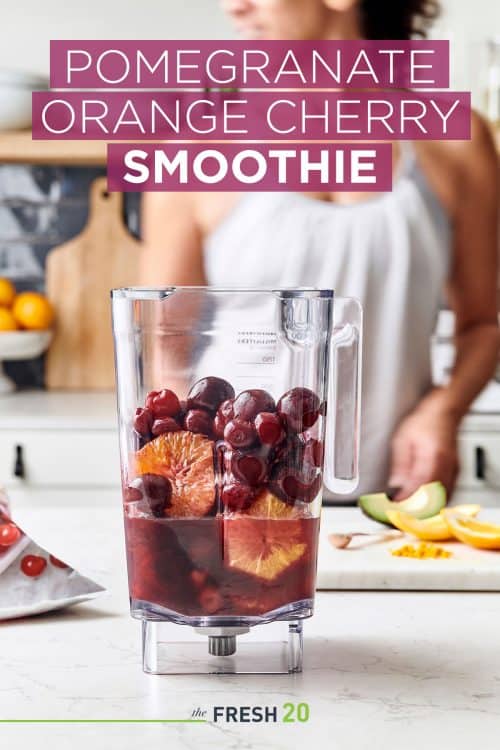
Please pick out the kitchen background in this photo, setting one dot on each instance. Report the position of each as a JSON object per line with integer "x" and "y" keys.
{"x": 44, "y": 199}
{"x": 468, "y": 24}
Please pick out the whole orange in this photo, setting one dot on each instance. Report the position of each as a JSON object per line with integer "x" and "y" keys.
{"x": 7, "y": 292}
{"x": 7, "y": 320}
{"x": 33, "y": 311}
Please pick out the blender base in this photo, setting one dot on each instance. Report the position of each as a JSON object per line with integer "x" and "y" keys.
{"x": 271, "y": 648}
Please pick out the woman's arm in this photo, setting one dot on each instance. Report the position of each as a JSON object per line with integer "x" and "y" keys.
{"x": 172, "y": 241}
{"x": 424, "y": 447}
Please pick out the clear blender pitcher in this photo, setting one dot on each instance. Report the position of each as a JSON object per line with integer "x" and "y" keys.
{"x": 235, "y": 406}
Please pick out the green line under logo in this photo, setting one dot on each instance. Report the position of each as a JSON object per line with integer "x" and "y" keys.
{"x": 103, "y": 721}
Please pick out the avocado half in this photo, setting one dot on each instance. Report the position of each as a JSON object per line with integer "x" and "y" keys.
{"x": 427, "y": 501}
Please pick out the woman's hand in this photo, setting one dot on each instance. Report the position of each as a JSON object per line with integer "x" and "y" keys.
{"x": 424, "y": 449}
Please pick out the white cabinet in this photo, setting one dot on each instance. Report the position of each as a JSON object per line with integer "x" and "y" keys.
{"x": 479, "y": 446}
{"x": 59, "y": 458}
{"x": 58, "y": 441}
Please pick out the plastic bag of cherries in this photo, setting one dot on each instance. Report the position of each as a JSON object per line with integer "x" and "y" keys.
{"x": 33, "y": 581}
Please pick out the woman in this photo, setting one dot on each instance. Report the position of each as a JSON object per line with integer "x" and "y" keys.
{"x": 401, "y": 253}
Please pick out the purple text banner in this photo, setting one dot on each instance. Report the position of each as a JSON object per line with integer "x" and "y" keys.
{"x": 249, "y": 115}
{"x": 91, "y": 64}
{"x": 229, "y": 167}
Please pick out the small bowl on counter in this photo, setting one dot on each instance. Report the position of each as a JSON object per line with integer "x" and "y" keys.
{"x": 16, "y": 88}
{"x": 20, "y": 345}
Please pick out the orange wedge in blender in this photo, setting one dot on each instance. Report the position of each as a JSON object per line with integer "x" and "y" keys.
{"x": 475, "y": 533}
{"x": 267, "y": 505}
{"x": 186, "y": 459}
{"x": 265, "y": 540}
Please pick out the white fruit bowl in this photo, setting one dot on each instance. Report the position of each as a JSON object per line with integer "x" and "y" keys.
{"x": 15, "y": 98}
{"x": 15, "y": 345}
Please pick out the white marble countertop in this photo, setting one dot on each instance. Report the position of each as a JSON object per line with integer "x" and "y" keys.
{"x": 381, "y": 669}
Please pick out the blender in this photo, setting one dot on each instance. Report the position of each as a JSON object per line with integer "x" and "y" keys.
{"x": 235, "y": 407}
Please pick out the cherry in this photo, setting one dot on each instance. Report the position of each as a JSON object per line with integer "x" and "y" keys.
{"x": 198, "y": 577}
{"x": 158, "y": 493}
{"x": 33, "y": 565}
{"x": 290, "y": 485}
{"x": 299, "y": 409}
{"x": 269, "y": 428}
{"x": 165, "y": 404}
{"x": 57, "y": 563}
{"x": 209, "y": 393}
{"x": 199, "y": 421}
{"x": 9, "y": 534}
{"x": 210, "y": 599}
{"x": 250, "y": 403}
{"x": 167, "y": 424}
{"x": 289, "y": 452}
{"x": 182, "y": 413}
{"x": 239, "y": 434}
{"x": 132, "y": 494}
{"x": 225, "y": 413}
{"x": 250, "y": 468}
{"x": 150, "y": 398}
{"x": 237, "y": 496}
{"x": 313, "y": 452}
{"x": 143, "y": 421}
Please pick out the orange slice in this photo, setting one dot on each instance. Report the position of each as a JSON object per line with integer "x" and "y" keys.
{"x": 266, "y": 539}
{"x": 186, "y": 459}
{"x": 433, "y": 529}
{"x": 264, "y": 548}
{"x": 475, "y": 533}
{"x": 267, "y": 505}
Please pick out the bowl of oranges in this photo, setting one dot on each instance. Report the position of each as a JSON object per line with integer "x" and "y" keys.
{"x": 25, "y": 327}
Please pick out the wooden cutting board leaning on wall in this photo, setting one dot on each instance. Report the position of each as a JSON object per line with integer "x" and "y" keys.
{"x": 80, "y": 274}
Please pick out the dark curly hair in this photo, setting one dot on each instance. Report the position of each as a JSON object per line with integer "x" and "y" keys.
{"x": 397, "y": 19}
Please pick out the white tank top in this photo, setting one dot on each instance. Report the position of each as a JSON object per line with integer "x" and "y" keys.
{"x": 392, "y": 252}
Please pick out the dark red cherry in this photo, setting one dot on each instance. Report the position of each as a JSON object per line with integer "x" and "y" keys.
{"x": 132, "y": 494}
{"x": 209, "y": 393}
{"x": 224, "y": 414}
{"x": 240, "y": 434}
{"x": 250, "y": 468}
{"x": 289, "y": 452}
{"x": 168, "y": 424}
{"x": 299, "y": 409}
{"x": 313, "y": 452}
{"x": 149, "y": 399}
{"x": 157, "y": 491}
{"x": 210, "y": 599}
{"x": 290, "y": 485}
{"x": 198, "y": 577}
{"x": 249, "y": 403}
{"x": 269, "y": 428}
{"x": 237, "y": 496}
{"x": 143, "y": 421}
{"x": 165, "y": 404}
{"x": 33, "y": 565}
{"x": 199, "y": 421}
{"x": 57, "y": 563}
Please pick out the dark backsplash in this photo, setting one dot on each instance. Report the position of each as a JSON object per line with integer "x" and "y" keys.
{"x": 40, "y": 208}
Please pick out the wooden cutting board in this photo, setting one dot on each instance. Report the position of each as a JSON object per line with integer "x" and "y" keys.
{"x": 372, "y": 567}
{"x": 80, "y": 274}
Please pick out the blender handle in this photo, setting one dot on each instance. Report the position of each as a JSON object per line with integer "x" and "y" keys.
{"x": 341, "y": 472}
